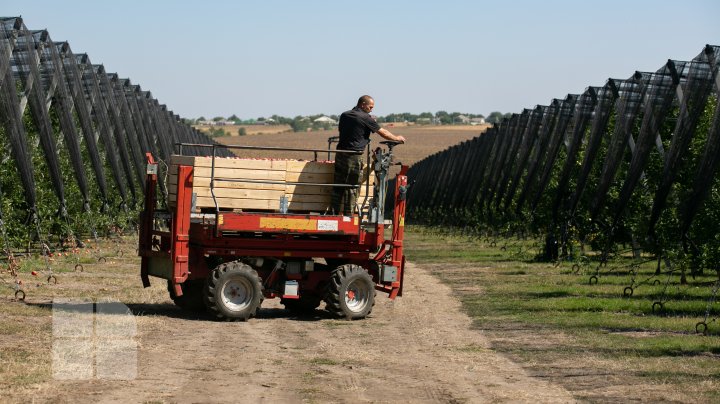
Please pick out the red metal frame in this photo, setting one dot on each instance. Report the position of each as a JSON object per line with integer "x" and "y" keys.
{"x": 269, "y": 235}
{"x": 146, "y": 220}
{"x": 304, "y": 224}
{"x": 180, "y": 230}
{"x": 396, "y": 258}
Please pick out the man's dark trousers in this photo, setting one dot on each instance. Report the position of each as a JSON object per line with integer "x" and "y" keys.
{"x": 348, "y": 170}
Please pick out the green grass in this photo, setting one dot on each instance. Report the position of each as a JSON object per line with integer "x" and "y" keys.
{"x": 531, "y": 300}
{"x": 26, "y": 328}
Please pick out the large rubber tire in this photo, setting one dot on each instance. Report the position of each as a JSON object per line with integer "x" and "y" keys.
{"x": 303, "y": 305}
{"x": 193, "y": 295}
{"x": 233, "y": 291}
{"x": 350, "y": 293}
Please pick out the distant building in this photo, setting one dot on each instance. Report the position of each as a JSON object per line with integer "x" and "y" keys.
{"x": 464, "y": 119}
{"x": 477, "y": 121}
{"x": 325, "y": 119}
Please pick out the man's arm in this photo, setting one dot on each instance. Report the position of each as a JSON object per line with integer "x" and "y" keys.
{"x": 389, "y": 136}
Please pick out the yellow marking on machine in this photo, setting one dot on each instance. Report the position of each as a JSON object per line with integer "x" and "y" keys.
{"x": 288, "y": 224}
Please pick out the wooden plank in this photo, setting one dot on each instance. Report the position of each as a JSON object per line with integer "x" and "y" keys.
{"x": 205, "y": 183}
{"x": 324, "y": 199}
{"x": 296, "y": 203}
{"x": 256, "y": 194}
{"x": 239, "y": 193}
{"x": 324, "y": 173}
{"x": 230, "y": 162}
{"x": 317, "y": 178}
{"x": 237, "y": 203}
{"x": 262, "y": 193}
{"x": 310, "y": 167}
{"x": 307, "y": 190}
{"x": 271, "y": 175}
{"x": 298, "y": 190}
{"x": 260, "y": 204}
{"x": 199, "y": 183}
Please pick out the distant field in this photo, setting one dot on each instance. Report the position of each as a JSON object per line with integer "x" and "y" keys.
{"x": 422, "y": 141}
{"x": 232, "y": 130}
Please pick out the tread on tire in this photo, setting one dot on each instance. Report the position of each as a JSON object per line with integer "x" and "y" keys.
{"x": 233, "y": 291}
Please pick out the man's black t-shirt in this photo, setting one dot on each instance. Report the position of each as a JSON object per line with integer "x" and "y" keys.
{"x": 355, "y": 127}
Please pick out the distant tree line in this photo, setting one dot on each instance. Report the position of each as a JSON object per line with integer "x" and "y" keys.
{"x": 305, "y": 123}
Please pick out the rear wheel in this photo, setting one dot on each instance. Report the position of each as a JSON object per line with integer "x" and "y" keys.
{"x": 233, "y": 291}
{"x": 192, "y": 298}
{"x": 350, "y": 293}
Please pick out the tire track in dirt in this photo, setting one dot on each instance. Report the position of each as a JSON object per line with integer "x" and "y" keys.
{"x": 419, "y": 348}
{"x": 423, "y": 350}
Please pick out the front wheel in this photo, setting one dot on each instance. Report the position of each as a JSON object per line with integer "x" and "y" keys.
{"x": 350, "y": 293}
{"x": 233, "y": 291}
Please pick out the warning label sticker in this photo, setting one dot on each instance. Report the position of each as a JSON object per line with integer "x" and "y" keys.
{"x": 327, "y": 225}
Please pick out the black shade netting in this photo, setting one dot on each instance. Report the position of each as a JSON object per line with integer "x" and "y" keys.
{"x": 627, "y": 107}
{"x": 126, "y": 120}
{"x": 584, "y": 108}
{"x": 54, "y": 73}
{"x": 131, "y": 94}
{"x": 119, "y": 132}
{"x": 100, "y": 118}
{"x": 28, "y": 71}
{"x": 606, "y": 97}
{"x": 11, "y": 116}
{"x": 708, "y": 165}
{"x": 658, "y": 102}
{"x": 527, "y": 144}
{"x": 479, "y": 150}
{"x": 507, "y": 165}
{"x": 698, "y": 84}
{"x": 73, "y": 77}
{"x": 505, "y": 130}
{"x": 549, "y": 119}
{"x": 565, "y": 114}
{"x": 487, "y": 147}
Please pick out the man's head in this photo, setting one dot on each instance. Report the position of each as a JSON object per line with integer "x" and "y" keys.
{"x": 366, "y": 103}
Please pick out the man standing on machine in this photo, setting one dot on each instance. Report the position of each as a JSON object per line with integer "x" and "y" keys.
{"x": 355, "y": 127}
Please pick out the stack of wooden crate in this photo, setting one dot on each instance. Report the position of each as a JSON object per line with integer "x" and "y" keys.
{"x": 285, "y": 177}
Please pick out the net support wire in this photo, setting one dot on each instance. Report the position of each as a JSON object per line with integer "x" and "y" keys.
{"x": 44, "y": 249}
{"x": 12, "y": 265}
{"x": 702, "y": 326}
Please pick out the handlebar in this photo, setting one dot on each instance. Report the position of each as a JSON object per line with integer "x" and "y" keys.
{"x": 391, "y": 143}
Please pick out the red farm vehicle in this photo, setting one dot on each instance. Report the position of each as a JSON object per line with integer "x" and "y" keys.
{"x": 237, "y": 231}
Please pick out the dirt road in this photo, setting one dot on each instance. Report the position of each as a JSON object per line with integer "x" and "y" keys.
{"x": 419, "y": 348}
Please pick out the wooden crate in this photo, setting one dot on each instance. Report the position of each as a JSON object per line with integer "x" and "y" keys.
{"x": 232, "y": 194}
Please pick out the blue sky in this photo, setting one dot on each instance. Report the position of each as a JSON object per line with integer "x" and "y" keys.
{"x": 258, "y": 58}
